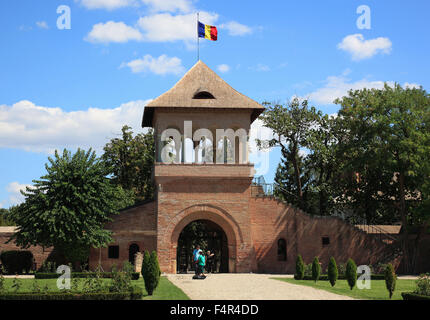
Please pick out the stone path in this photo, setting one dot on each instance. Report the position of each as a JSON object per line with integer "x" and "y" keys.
{"x": 247, "y": 287}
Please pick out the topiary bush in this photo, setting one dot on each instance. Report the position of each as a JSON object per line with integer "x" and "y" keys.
{"x": 316, "y": 269}
{"x": 145, "y": 262}
{"x": 151, "y": 273}
{"x": 351, "y": 273}
{"x": 300, "y": 268}
{"x": 390, "y": 279}
{"x": 332, "y": 271}
{"x": 17, "y": 261}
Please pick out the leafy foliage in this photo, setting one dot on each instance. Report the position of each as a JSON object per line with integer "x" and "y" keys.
{"x": 390, "y": 279}
{"x": 131, "y": 160}
{"x": 16, "y": 261}
{"x": 351, "y": 273}
{"x": 300, "y": 268}
{"x": 316, "y": 269}
{"x": 151, "y": 273}
{"x": 423, "y": 285}
{"x": 332, "y": 271}
{"x": 68, "y": 207}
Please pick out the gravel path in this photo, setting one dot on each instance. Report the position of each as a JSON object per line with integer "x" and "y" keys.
{"x": 247, "y": 287}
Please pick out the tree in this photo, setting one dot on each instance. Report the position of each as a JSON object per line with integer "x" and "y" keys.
{"x": 388, "y": 145}
{"x": 390, "y": 279}
{"x": 4, "y": 221}
{"x": 351, "y": 273}
{"x": 332, "y": 271}
{"x": 290, "y": 125}
{"x": 300, "y": 268}
{"x": 316, "y": 269}
{"x": 151, "y": 272}
{"x": 68, "y": 207}
{"x": 131, "y": 160}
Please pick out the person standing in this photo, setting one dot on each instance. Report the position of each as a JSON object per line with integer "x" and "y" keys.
{"x": 201, "y": 264}
{"x": 210, "y": 257}
{"x": 196, "y": 254}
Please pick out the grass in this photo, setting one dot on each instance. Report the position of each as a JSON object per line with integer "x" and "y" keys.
{"x": 165, "y": 290}
{"x": 378, "y": 290}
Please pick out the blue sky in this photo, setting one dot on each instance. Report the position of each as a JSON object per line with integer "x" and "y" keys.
{"x": 77, "y": 87}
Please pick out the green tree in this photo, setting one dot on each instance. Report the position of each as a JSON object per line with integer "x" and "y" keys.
{"x": 145, "y": 262}
{"x": 68, "y": 207}
{"x": 151, "y": 273}
{"x": 390, "y": 279}
{"x": 131, "y": 160}
{"x": 4, "y": 221}
{"x": 290, "y": 125}
{"x": 351, "y": 273}
{"x": 388, "y": 145}
{"x": 332, "y": 271}
{"x": 300, "y": 268}
{"x": 316, "y": 269}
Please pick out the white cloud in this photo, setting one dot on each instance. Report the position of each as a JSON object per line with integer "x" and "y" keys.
{"x": 166, "y": 27}
{"x": 106, "y": 4}
{"x": 338, "y": 87}
{"x": 15, "y": 197}
{"x": 113, "y": 32}
{"x": 169, "y": 5}
{"x": 223, "y": 68}
{"x": 364, "y": 49}
{"x": 29, "y": 127}
{"x": 42, "y": 24}
{"x": 161, "y": 65}
{"x": 236, "y": 29}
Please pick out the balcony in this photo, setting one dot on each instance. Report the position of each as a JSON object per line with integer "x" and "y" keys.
{"x": 204, "y": 170}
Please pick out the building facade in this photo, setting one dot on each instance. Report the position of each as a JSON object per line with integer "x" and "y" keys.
{"x": 202, "y": 173}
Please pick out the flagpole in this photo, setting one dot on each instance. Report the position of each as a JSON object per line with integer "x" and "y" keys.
{"x": 198, "y": 38}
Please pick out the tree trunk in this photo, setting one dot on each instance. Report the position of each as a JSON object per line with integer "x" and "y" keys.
{"x": 297, "y": 175}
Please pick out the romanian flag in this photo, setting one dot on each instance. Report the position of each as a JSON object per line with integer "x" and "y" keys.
{"x": 207, "y": 32}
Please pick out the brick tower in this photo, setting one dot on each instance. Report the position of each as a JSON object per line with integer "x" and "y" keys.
{"x": 202, "y": 170}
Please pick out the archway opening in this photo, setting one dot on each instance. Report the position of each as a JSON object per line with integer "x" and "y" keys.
{"x": 132, "y": 250}
{"x": 210, "y": 237}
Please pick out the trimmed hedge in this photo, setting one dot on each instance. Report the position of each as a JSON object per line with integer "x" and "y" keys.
{"x": 414, "y": 296}
{"x": 135, "y": 294}
{"x": 106, "y": 275}
{"x": 15, "y": 261}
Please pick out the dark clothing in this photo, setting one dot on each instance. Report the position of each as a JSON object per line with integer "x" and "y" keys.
{"x": 210, "y": 265}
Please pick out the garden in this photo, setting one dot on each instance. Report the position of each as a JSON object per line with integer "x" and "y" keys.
{"x": 119, "y": 284}
{"x": 343, "y": 280}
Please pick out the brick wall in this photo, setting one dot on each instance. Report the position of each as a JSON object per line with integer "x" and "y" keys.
{"x": 136, "y": 225}
{"x": 272, "y": 220}
{"x": 39, "y": 253}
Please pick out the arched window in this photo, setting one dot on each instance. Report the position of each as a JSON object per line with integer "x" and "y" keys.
{"x": 282, "y": 250}
{"x": 203, "y": 95}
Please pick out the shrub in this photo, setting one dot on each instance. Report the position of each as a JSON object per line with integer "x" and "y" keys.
{"x": 308, "y": 269}
{"x": 342, "y": 269}
{"x": 135, "y": 294}
{"x": 316, "y": 269}
{"x": 332, "y": 271}
{"x": 145, "y": 262}
{"x": 151, "y": 273}
{"x": 351, "y": 273}
{"x": 121, "y": 281}
{"x": 423, "y": 285}
{"x": 300, "y": 268}
{"x": 414, "y": 296}
{"x": 15, "y": 261}
{"x": 390, "y": 279}
{"x": 83, "y": 275}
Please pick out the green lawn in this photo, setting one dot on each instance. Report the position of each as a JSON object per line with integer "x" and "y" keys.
{"x": 165, "y": 290}
{"x": 378, "y": 290}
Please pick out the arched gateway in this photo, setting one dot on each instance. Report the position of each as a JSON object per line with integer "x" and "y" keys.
{"x": 202, "y": 173}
